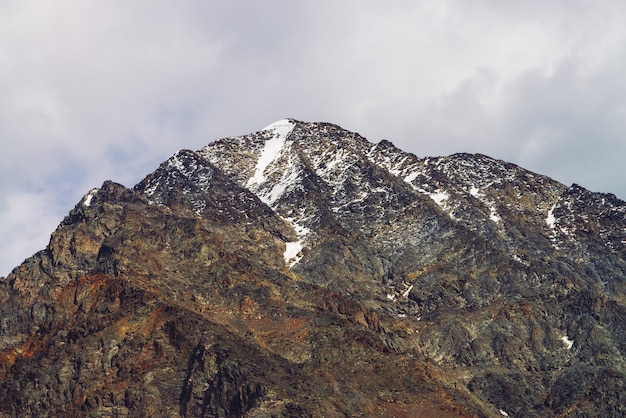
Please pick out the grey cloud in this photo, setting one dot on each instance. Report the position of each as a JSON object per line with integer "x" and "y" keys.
{"x": 571, "y": 125}
{"x": 567, "y": 124}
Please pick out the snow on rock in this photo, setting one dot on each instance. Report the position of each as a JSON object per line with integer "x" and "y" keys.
{"x": 412, "y": 176}
{"x": 503, "y": 413}
{"x": 551, "y": 220}
{"x": 281, "y": 127}
{"x": 478, "y": 194}
{"x": 568, "y": 343}
{"x": 493, "y": 215}
{"x": 289, "y": 177}
{"x": 280, "y": 131}
{"x": 408, "y": 291}
{"x": 89, "y": 196}
{"x": 438, "y": 197}
{"x": 293, "y": 250}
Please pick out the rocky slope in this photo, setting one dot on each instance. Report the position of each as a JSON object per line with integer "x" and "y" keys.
{"x": 304, "y": 271}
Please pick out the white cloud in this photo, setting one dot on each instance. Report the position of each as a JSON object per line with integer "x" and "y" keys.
{"x": 28, "y": 218}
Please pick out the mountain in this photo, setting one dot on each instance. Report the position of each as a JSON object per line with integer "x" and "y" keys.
{"x": 302, "y": 271}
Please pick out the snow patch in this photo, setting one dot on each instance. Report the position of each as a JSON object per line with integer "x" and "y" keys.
{"x": 411, "y": 177}
{"x": 568, "y": 343}
{"x": 551, "y": 220}
{"x": 293, "y": 250}
{"x": 271, "y": 196}
{"x": 439, "y": 197}
{"x": 89, "y": 196}
{"x": 493, "y": 215}
{"x": 503, "y": 413}
{"x": 271, "y": 150}
{"x": 406, "y": 292}
{"x": 283, "y": 127}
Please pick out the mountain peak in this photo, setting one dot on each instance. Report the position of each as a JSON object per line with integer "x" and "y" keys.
{"x": 286, "y": 124}
{"x": 271, "y": 274}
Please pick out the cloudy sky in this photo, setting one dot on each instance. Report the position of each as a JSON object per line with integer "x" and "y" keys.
{"x": 97, "y": 90}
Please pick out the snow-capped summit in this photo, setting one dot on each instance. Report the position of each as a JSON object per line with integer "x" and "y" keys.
{"x": 367, "y": 187}
{"x": 302, "y": 270}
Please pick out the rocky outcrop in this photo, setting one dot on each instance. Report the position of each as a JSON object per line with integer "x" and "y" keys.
{"x": 303, "y": 271}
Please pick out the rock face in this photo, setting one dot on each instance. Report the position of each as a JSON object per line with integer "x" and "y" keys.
{"x": 304, "y": 271}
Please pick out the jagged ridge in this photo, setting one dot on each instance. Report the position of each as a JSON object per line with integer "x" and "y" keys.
{"x": 302, "y": 270}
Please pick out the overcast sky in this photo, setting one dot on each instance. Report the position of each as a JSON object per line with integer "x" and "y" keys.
{"x": 97, "y": 90}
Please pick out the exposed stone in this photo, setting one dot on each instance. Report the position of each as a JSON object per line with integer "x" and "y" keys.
{"x": 450, "y": 286}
